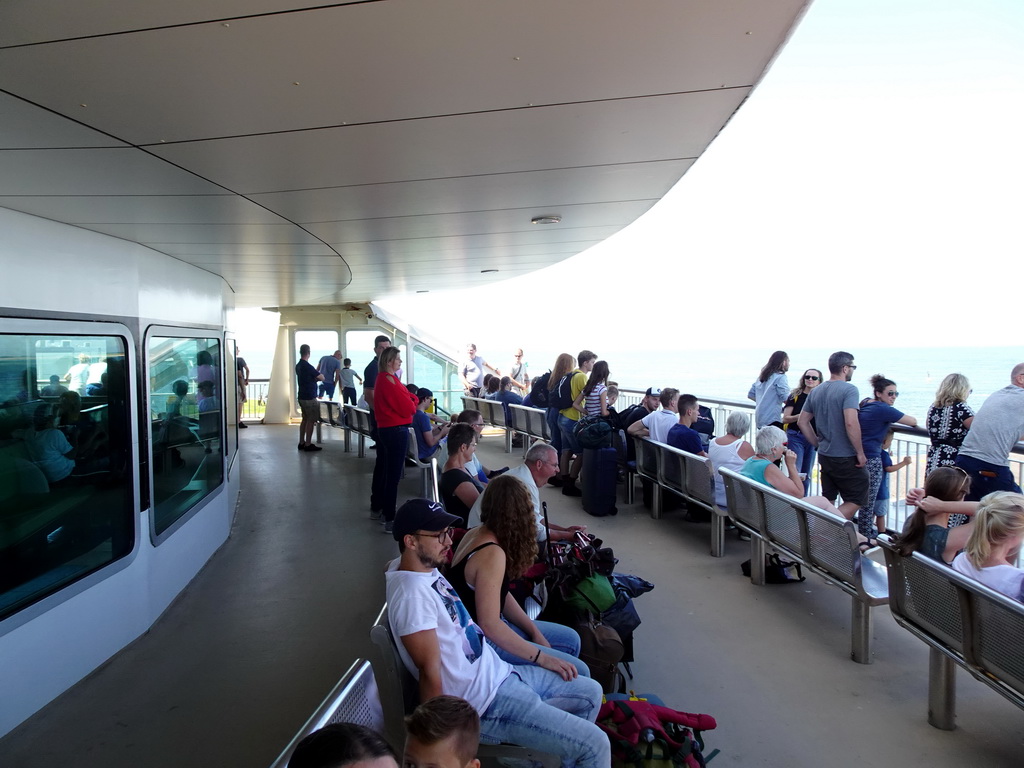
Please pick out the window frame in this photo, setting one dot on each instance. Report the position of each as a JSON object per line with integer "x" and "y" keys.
{"x": 92, "y": 328}
{"x": 178, "y": 332}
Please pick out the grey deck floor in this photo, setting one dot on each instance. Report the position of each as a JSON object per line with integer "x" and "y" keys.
{"x": 239, "y": 661}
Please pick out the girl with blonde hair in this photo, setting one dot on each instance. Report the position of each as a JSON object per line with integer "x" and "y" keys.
{"x": 995, "y": 543}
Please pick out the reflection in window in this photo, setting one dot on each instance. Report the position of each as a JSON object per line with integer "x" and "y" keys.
{"x": 186, "y": 418}
{"x": 65, "y": 463}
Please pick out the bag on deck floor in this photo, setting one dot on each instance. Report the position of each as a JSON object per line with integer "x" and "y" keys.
{"x": 644, "y": 734}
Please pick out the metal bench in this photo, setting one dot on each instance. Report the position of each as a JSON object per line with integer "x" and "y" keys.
{"x": 531, "y": 423}
{"x": 964, "y": 622}
{"x": 399, "y": 694}
{"x": 823, "y": 543}
{"x": 353, "y": 700}
{"x": 684, "y": 474}
{"x": 428, "y": 468}
{"x": 493, "y": 413}
{"x": 356, "y": 420}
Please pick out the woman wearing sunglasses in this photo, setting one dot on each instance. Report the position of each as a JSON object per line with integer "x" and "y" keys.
{"x": 805, "y": 452}
{"x": 876, "y": 416}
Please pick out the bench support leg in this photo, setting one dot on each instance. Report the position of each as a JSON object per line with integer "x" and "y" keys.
{"x": 941, "y": 690}
{"x": 348, "y": 440}
{"x": 424, "y": 483}
{"x": 656, "y": 500}
{"x": 508, "y": 440}
{"x": 757, "y": 560}
{"x": 860, "y": 627}
{"x": 319, "y": 436}
{"x": 362, "y": 446}
{"x": 717, "y": 535}
{"x": 630, "y": 487}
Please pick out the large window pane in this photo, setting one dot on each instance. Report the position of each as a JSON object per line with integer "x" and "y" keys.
{"x": 186, "y": 421}
{"x": 65, "y": 462}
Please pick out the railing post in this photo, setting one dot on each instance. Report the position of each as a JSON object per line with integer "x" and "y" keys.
{"x": 941, "y": 690}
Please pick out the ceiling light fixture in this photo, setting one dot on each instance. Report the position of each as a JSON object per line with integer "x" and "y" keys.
{"x": 486, "y": 271}
{"x": 551, "y": 218}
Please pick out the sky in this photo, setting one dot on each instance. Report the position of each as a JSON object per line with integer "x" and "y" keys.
{"x": 868, "y": 194}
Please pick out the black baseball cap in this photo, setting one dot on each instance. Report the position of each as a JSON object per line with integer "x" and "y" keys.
{"x": 653, "y": 392}
{"x": 421, "y": 515}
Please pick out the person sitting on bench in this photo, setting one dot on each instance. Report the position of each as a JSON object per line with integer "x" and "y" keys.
{"x": 444, "y": 649}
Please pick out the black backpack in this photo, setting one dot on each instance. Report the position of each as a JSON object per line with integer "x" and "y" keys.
{"x": 539, "y": 390}
{"x": 561, "y": 396}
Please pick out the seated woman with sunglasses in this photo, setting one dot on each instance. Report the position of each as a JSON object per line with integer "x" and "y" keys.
{"x": 769, "y": 447}
{"x": 459, "y": 487}
{"x": 926, "y": 530}
{"x": 491, "y": 555}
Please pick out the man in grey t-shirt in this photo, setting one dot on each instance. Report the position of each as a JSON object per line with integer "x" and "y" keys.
{"x": 995, "y": 430}
{"x": 833, "y": 406}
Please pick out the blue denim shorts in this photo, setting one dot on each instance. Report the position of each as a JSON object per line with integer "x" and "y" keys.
{"x": 566, "y": 427}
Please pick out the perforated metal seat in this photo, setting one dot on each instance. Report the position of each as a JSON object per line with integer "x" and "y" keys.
{"x": 355, "y": 699}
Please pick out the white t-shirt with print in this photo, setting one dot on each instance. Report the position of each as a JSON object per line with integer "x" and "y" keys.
{"x": 470, "y": 668}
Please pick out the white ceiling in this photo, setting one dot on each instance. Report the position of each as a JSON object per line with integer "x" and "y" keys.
{"x": 343, "y": 152}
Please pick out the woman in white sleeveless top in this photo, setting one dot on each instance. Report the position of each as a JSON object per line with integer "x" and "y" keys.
{"x": 730, "y": 451}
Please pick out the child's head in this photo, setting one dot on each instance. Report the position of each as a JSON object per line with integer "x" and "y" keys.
{"x": 442, "y": 732}
{"x": 998, "y": 522}
{"x": 346, "y": 362}
{"x": 887, "y": 440}
{"x": 341, "y": 745}
{"x": 947, "y": 484}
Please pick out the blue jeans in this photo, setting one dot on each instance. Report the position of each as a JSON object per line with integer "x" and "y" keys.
{"x": 565, "y": 645}
{"x": 538, "y": 709}
{"x": 348, "y": 395}
{"x": 567, "y": 425}
{"x": 995, "y": 477}
{"x": 392, "y": 443}
{"x": 556, "y": 433}
{"x": 326, "y": 388}
{"x": 805, "y": 455}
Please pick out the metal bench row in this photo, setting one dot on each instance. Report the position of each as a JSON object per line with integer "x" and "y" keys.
{"x": 824, "y": 543}
{"x": 531, "y": 423}
{"x": 964, "y": 623}
{"x": 683, "y": 474}
{"x": 379, "y": 696}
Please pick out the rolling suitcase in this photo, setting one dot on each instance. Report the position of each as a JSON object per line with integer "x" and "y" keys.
{"x": 600, "y": 466}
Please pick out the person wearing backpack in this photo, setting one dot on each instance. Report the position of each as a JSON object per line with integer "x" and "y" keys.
{"x": 564, "y": 398}
{"x": 564, "y": 363}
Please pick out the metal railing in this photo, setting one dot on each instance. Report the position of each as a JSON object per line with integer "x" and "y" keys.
{"x": 255, "y": 404}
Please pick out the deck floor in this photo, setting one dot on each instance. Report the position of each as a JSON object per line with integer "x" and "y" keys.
{"x": 244, "y": 655}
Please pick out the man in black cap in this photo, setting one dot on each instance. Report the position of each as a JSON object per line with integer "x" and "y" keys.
{"x": 649, "y": 404}
{"x": 446, "y": 651}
